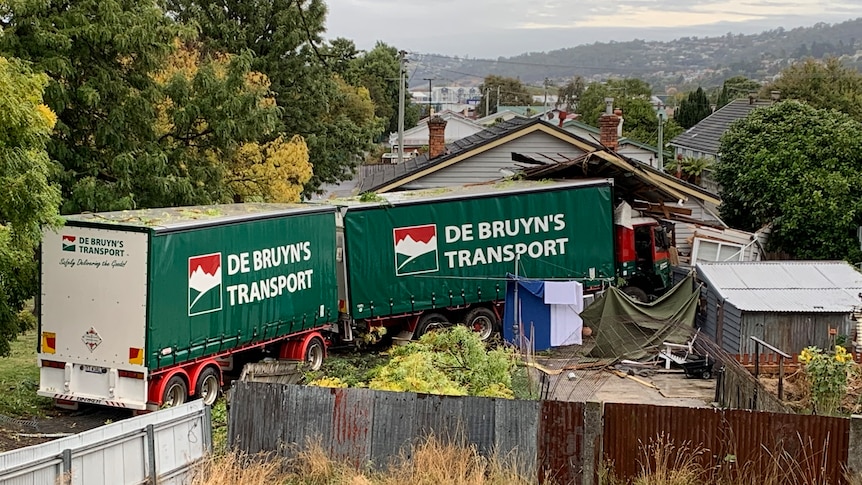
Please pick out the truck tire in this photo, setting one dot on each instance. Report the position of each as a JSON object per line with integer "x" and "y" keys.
{"x": 314, "y": 353}
{"x": 430, "y": 322}
{"x": 176, "y": 392}
{"x": 636, "y": 293}
{"x": 483, "y": 321}
{"x": 208, "y": 386}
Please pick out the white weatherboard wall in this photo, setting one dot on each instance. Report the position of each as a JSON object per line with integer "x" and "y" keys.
{"x": 118, "y": 454}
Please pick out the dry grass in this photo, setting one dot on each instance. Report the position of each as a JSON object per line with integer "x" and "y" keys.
{"x": 431, "y": 462}
{"x": 235, "y": 469}
{"x": 664, "y": 463}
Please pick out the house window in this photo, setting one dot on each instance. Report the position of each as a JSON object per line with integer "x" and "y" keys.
{"x": 709, "y": 250}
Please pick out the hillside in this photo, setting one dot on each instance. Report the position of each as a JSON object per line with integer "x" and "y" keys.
{"x": 683, "y": 62}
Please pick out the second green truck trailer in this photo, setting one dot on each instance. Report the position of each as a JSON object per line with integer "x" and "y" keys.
{"x": 422, "y": 259}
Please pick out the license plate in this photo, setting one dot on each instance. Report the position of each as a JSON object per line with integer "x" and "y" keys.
{"x": 94, "y": 369}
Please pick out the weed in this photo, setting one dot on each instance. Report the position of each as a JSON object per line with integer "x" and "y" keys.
{"x": 219, "y": 425}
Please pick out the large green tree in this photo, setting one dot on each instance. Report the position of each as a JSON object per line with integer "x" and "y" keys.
{"x": 128, "y": 135}
{"x": 592, "y": 103}
{"x": 735, "y": 88}
{"x": 98, "y": 55}
{"x": 693, "y": 109}
{"x": 798, "y": 168}
{"x": 569, "y": 95}
{"x": 286, "y": 39}
{"x": 633, "y": 97}
{"x": 821, "y": 84}
{"x": 377, "y": 71}
{"x": 502, "y": 91}
{"x": 27, "y": 199}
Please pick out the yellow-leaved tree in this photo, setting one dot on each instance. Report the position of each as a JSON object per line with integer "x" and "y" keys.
{"x": 270, "y": 172}
{"x": 28, "y": 200}
{"x": 221, "y": 119}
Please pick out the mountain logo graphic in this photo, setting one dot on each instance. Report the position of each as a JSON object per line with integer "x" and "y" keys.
{"x": 69, "y": 243}
{"x": 205, "y": 292}
{"x": 415, "y": 249}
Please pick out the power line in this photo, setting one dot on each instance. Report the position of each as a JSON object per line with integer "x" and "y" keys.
{"x": 536, "y": 64}
{"x": 818, "y": 75}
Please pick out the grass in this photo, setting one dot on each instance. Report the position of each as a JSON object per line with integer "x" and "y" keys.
{"x": 431, "y": 462}
{"x": 19, "y": 379}
{"x": 219, "y": 426}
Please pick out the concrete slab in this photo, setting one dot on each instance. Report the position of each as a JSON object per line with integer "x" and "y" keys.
{"x": 650, "y": 387}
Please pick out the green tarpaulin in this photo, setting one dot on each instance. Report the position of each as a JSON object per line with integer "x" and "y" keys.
{"x": 628, "y": 329}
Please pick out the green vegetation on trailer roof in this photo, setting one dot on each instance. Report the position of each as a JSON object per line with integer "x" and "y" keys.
{"x": 456, "y": 192}
{"x": 178, "y": 217}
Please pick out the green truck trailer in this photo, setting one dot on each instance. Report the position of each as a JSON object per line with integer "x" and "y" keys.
{"x": 139, "y": 309}
{"x": 422, "y": 259}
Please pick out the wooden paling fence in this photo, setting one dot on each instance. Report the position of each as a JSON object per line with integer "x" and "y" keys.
{"x": 563, "y": 441}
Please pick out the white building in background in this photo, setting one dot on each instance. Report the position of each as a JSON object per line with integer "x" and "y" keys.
{"x": 460, "y": 99}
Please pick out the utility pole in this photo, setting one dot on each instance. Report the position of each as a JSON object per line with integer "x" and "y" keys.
{"x": 545, "y": 101}
{"x": 487, "y": 101}
{"x": 429, "y": 79}
{"x": 401, "y": 62}
{"x": 498, "y": 99}
{"x": 662, "y": 115}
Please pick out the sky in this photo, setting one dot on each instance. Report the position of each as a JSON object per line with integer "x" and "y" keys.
{"x": 494, "y": 28}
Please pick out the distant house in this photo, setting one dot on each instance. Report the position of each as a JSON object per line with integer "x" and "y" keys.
{"x": 788, "y": 304}
{"x": 502, "y": 115}
{"x": 703, "y": 140}
{"x": 416, "y": 138}
{"x": 519, "y": 144}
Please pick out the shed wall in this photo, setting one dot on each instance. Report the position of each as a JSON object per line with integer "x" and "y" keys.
{"x": 792, "y": 332}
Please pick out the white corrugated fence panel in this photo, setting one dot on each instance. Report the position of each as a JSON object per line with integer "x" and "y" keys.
{"x": 117, "y": 453}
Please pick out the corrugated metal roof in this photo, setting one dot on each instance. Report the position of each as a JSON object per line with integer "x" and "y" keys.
{"x": 785, "y": 286}
{"x": 706, "y": 136}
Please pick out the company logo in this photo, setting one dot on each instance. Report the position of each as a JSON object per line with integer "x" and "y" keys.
{"x": 205, "y": 293}
{"x": 69, "y": 243}
{"x": 415, "y": 249}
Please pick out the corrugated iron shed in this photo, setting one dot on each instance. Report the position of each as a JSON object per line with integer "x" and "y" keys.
{"x": 785, "y": 286}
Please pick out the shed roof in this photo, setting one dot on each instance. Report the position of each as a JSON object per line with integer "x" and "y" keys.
{"x": 785, "y": 286}
{"x": 705, "y": 136}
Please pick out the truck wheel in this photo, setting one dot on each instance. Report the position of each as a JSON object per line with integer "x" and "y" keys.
{"x": 314, "y": 353}
{"x": 176, "y": 392}
{"x": 430, "y": 322}
{"x": 483, "y": 321}
{"x": 208, "y": 386}
{"x": 636, "y": 293}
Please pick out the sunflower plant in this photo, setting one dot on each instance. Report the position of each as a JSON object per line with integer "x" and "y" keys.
{"x": 827, "y": 375}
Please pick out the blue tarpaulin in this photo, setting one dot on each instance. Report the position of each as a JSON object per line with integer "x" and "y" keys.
{"x": 535, "y": 314}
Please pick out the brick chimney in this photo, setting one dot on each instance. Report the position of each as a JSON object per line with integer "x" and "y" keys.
{"x": 436, "y": 137}
{"x": 609, "y": 124}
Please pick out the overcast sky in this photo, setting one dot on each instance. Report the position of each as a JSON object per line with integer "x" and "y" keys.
{"x": 492, "y": 28}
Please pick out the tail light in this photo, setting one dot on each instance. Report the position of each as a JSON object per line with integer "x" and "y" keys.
{"x": 130, "y": 374}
